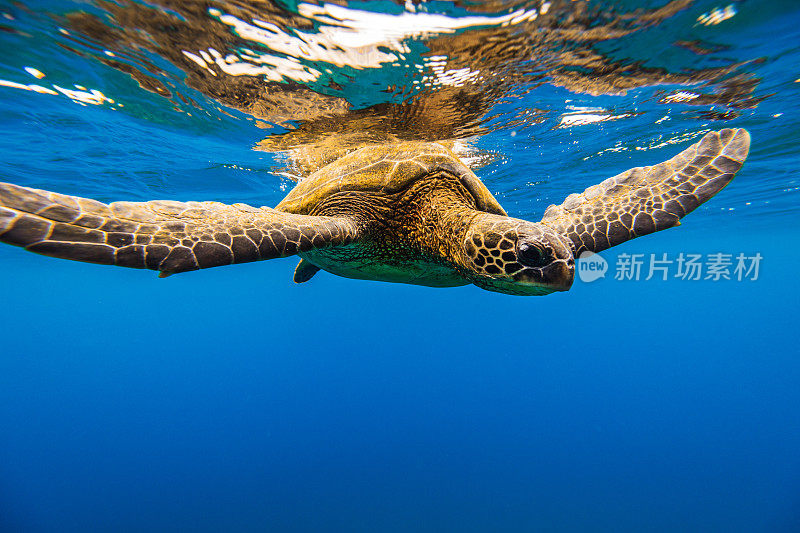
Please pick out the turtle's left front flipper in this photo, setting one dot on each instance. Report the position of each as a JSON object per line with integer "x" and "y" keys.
{"x": 643, "y": 200}
{"x": 166, "y": 236}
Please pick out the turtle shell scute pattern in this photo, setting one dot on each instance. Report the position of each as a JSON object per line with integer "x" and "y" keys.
{"x": 385, "y": 169}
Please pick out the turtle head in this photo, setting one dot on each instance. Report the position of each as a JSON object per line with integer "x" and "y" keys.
{"x": 512, "y": 256}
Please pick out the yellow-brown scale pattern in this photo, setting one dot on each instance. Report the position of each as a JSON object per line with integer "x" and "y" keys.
{"x": 643, "y": 200}
{"x": 160, "y": 235}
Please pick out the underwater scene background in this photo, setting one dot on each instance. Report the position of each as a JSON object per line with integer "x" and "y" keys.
{"x": 231, "y": 399}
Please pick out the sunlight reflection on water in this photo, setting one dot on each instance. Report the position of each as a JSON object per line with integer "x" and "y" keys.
{"x": 575, "y": 81}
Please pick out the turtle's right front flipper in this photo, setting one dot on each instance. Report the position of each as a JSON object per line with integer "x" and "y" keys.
{"x": 166, "y": 236}
{"x": 643, "y": 200}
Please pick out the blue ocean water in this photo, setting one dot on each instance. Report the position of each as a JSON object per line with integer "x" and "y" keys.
{"x": 231, "y": 399}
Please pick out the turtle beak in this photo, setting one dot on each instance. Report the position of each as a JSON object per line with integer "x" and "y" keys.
{"x": 561, "y": 272}
{"x": 559, "y": 275}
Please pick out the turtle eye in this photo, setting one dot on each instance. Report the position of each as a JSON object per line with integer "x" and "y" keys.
{"x": 531, "y": 254}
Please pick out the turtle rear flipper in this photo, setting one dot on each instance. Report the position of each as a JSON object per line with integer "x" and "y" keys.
{"x": 643, "y": 200}
{"x": 166, "y": 236}
{"x": 304, "y": 271}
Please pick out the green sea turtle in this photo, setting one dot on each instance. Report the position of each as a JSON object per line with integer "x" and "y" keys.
{"x": 406, "y": 211}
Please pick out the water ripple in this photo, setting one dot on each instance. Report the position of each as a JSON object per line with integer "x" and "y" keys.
{"x": 543, "y": 97}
